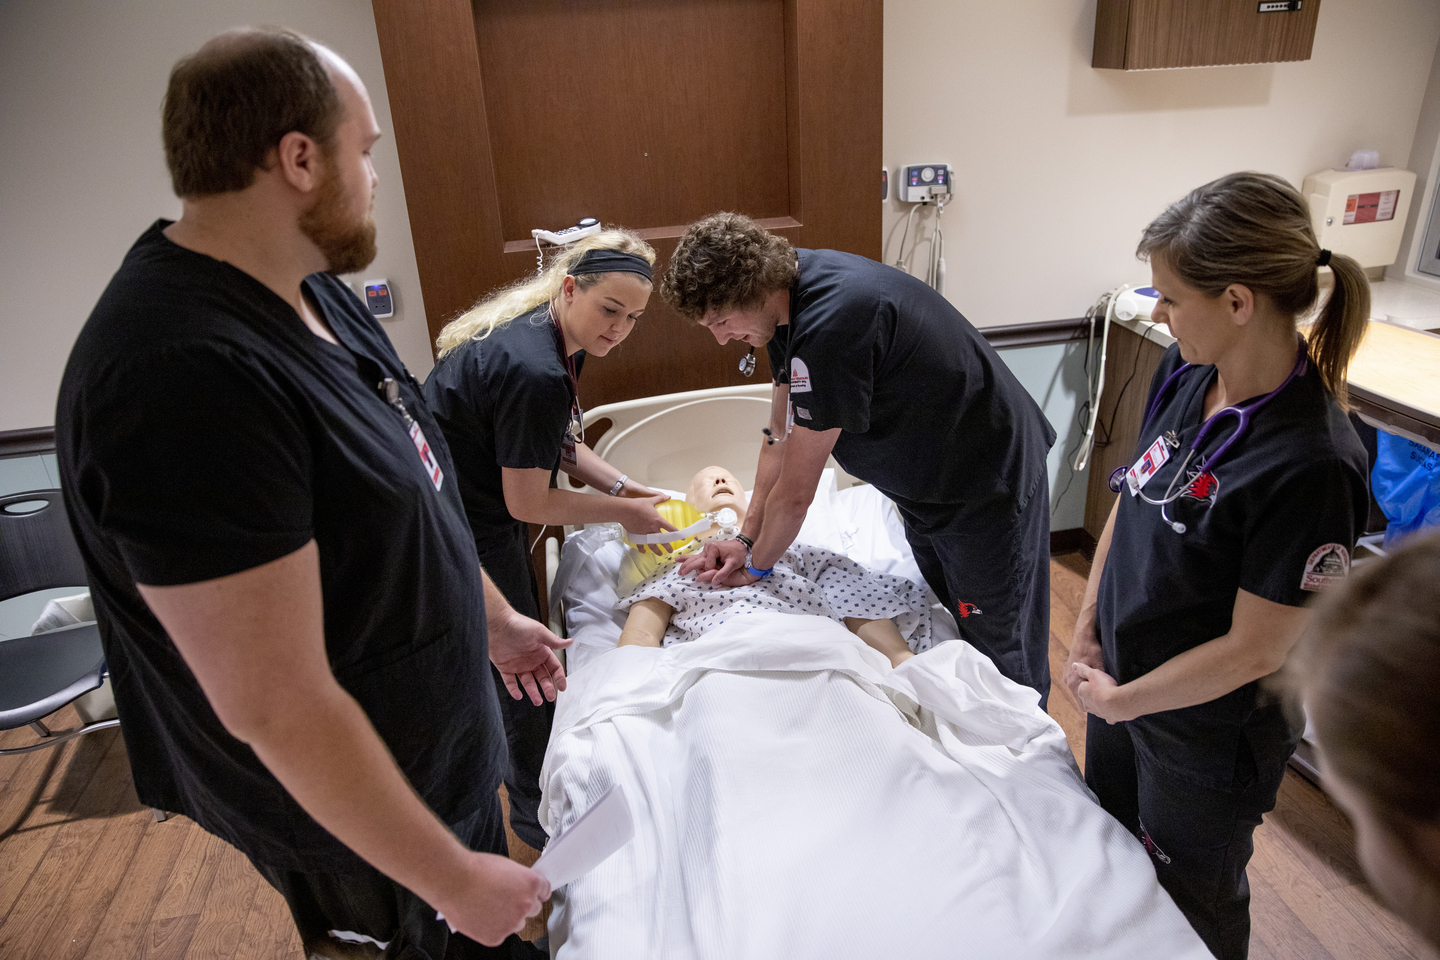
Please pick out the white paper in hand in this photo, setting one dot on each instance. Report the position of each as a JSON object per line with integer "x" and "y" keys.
{"x": 604, "y": 828}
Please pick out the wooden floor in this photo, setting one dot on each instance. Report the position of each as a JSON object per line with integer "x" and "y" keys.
{"x": 85, "y": 872}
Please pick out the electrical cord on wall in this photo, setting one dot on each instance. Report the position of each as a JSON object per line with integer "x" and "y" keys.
{"x": 900, "y": 255}
{"x": 1134, "y": 366}
{"x": 935, "y": 275}
{"x": 1095, "y": 385}
{"x": 1083, "y": 414}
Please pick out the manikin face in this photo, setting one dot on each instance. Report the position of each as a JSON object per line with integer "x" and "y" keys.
{"x": 597, "y": 319}
{"x": 1204, "y": 326}
{"x": 341, "y": 220}
{"x": 714, "y": 488}
{"x": 754, "y": 325}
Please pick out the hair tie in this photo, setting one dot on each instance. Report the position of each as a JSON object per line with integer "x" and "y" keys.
{"x": 611, "y": 261}
{"x": 1323, "y": 259}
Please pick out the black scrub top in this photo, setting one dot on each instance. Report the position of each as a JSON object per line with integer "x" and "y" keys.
{"x": 929, "y": 413}
{"x": 1277, "y": 517}
{"x": 203, "y": 430}
{"x": 503, "y": 401}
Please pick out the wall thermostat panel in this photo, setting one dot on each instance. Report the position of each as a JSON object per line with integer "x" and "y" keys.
{"x": 921, "y": 182}
{"x": 377, "y": 298}
{"x": 1360, "y": 213}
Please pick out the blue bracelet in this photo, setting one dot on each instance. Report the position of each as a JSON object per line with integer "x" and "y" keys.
{"x": 750, "y": 568}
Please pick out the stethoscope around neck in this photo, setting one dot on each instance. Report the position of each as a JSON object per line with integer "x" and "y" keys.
{"x": 1242, "y": 414}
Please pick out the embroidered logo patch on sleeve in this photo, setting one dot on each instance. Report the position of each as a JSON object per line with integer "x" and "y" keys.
{"x": 1327, "y": 565}
{"x": 799, "y": 376}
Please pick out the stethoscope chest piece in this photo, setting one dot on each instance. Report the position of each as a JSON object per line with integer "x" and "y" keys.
{"x": 747, "y": 363}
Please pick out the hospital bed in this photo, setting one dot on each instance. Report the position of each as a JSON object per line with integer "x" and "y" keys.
{"x": 794, "y": 796}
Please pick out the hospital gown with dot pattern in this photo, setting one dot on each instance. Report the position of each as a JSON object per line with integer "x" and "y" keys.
{"x": 806, "y": 580}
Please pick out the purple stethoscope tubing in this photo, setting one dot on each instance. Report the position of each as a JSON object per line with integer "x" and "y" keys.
{"x": 1242, "y": 413}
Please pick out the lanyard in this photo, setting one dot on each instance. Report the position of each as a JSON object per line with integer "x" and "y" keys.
{"x": 390, "y": 392}
{"x": 1241, "y": 412}
{"x": 1157, "y": 454}
{"x": 577, "y": 425}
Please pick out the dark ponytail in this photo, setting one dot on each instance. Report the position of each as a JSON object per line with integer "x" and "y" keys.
{"x": 1337, "y": 331}
{"x": 1254, "y": 229}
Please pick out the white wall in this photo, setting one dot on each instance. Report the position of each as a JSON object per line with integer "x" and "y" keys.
{"x": 82, "y": 173}
{"x": 1059, "y": 166}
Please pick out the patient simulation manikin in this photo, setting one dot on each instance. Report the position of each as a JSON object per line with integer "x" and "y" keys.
{"x": 882, "y": 610}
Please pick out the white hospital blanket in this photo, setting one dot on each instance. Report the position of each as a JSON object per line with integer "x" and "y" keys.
{"x": 794, "y": 797}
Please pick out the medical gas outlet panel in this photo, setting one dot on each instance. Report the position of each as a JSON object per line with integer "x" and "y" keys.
{"x": 924, "y": 183}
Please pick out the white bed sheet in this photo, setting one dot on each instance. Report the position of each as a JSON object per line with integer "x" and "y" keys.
{"x": 859, "y": 522}
{"x": 794, "y": 797}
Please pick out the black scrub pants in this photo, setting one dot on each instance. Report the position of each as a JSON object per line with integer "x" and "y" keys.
{"x": 372, "y": 905}
{"x": 990, "y": 566}
{"x": 505, "y": 555}
{"x": 1199, "y": 835}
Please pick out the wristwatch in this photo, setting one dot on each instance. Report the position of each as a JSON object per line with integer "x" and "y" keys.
{"x": 750, "y": 568}
{"x": 619, "y": 485}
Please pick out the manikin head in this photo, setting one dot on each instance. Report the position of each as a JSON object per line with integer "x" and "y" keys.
{"x": 714, "y": 489}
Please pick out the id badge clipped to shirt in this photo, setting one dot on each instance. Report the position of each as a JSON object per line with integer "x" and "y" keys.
{"x": 1141, "y": 472}
{"x": 427, "y": 456}
{"x": 574, "y": 433}
{"x": 390, "y": 392}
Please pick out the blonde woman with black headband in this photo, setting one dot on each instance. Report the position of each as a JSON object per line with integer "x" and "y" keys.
{"x": 505, "y": 395}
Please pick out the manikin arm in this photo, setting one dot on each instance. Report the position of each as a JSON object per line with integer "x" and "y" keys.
{"x": 881, "y": 635}
{"x": 645, "y": 626}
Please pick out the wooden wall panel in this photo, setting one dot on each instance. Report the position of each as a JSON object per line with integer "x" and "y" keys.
{"x": 837, "y": 81}
{"x": 637, "y": 112}
{"x": 768, "y": 107}
{"x": 438, "y": 108}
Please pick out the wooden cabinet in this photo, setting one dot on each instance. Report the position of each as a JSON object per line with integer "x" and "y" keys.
{"x": 1155, "y": 34}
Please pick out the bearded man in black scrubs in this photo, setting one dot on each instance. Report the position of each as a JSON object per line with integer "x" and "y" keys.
{"x": 293, "y": 611}
{"x": 879, "y": 369}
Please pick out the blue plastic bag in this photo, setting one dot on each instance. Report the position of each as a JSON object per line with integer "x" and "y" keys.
{"x": 1406, "y": 484}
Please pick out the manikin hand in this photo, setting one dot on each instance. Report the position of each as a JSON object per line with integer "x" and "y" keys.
{"x": 492, "y": 897}
{"x": 523, "y": 650}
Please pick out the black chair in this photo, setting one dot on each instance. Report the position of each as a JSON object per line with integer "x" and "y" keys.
{"x": 41, "y": 674}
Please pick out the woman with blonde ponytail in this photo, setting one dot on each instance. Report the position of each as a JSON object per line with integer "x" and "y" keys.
{"x": 505, "y": 395}
{"x": 1247, "y": 494}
